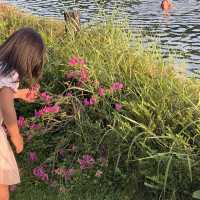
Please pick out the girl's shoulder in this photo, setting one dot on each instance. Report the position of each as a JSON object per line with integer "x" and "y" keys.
{"x": 11, "y": 80}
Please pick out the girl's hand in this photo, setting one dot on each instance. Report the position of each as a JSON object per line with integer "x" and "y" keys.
{"x": 27, "y": 95}
{"x": 18, "y": 142}
{"x": 31, "y": 95}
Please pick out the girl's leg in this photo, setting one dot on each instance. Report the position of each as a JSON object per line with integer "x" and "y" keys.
{"x": 4, "y": 192}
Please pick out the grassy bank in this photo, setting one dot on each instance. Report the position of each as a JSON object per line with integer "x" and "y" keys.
{"x": 124, "y": 108}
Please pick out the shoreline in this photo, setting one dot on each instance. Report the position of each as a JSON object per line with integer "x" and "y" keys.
{"x": 7, "y": 7}
{"x": 12, "y": 13}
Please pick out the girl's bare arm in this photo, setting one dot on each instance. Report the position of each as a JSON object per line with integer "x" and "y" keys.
{"x": 10, "y": 118}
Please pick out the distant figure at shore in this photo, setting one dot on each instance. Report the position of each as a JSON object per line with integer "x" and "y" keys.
{"x": 166, "y": 5}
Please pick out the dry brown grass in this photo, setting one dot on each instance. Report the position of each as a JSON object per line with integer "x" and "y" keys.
{"x": 8, "y": 10}
{"x": 16, "y": 18}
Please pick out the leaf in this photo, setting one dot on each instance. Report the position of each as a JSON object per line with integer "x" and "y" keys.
{"x": 196, "y": 194}
{"x": 189, "y": 166}
{"x": 167, "y": 172}
{"x": 151, "y": 186}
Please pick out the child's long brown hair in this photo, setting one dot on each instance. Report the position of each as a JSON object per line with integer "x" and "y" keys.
{"x": 23, "y": 52}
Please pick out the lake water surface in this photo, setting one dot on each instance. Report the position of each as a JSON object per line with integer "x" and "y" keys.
{"x": 179, "y": 30}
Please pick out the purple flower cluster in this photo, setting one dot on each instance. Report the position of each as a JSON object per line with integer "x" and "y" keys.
{"x": 40, "y": 173}
{"x": 45, "y": 97}
{"x": 21, "y": 121}
{"x": 114, "y": 87}
{"x": 84, "y": 74}
{"x": 33, "y": 156}
{"x": 87, "y": 162}
{"x": 117, "y": 86}
{"x": 34, "y": 126}
{"x": 81, "y": 76}
{"x": 74, "y": 61}
{"x": 89, "y": 102}
{"x": 117, "y": 106}
{"x": 47, "y": 109}
{"x": 101, "y": 92}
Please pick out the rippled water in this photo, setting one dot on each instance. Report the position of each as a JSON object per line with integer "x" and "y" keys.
{"x": 179, "y": 30}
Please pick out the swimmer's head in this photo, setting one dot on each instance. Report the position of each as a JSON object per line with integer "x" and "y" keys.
{"x": 166, "y": 4}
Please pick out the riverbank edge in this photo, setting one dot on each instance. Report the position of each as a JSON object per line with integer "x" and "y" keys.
{"x": 12, "y": 10}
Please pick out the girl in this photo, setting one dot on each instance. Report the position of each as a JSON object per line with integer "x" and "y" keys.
{"x": 21, "y": 58}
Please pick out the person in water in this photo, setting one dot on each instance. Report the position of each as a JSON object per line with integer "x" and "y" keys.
{"x": 166, "y": 4}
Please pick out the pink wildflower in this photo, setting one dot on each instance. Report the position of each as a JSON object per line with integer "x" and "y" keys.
{"x": 33, "y": 156}
{"x": 52, "y": 109}
{"x": 33, "y": 91}
{"x": 98, "y": 173}
{"x": 35, "y": 126}
{"x": 84, "y": 74}
{"x": 45, "y": 110}
{"x": 90, "y": 102}
{"x": 36, "y": 87}
{"x": 101, "y": 91}
{"x": 86, "y": 102}
{"x": 86, "y": 162}
{"x": 21, "y": 121}
{"x": 82, "y": 61}
{"x": 45, "y": 97}
{"x": 117, "y": 86}
{"x": 49, "y": 109}
{"x": 74, "y": 61}
{"x": 93, "y": 100}
{"x": 118, "y": 106}
{"x": 39, "y": 113}
{"x": 40, "y": 173}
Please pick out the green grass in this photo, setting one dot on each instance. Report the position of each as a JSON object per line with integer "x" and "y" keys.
{"x": 152, "y": 144}
{"x": 30, "y": 190}
{"x": 44, "y": 193}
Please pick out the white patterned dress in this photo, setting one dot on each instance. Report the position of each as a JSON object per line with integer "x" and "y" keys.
{"x": 9, "y": 172}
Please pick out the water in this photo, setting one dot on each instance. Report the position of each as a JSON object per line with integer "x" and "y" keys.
{"x": 179, "y": 30}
